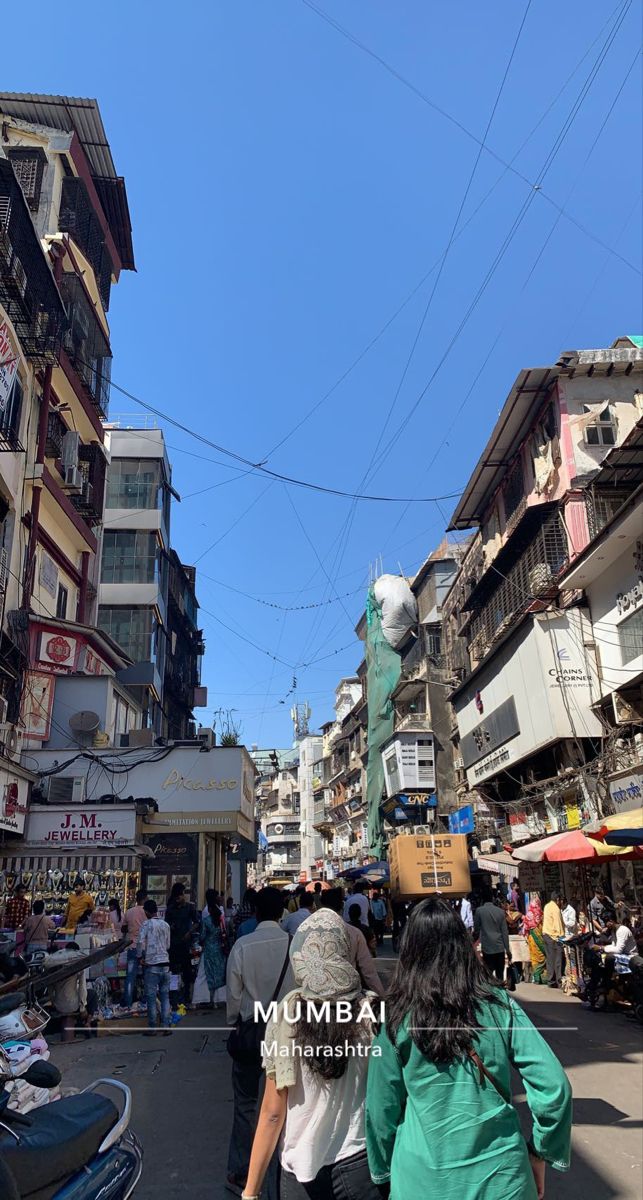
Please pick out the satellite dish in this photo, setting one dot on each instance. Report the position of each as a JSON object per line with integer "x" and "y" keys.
{"x": 84, "y": 722}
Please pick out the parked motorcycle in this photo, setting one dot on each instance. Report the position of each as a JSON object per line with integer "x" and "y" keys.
{"x": 77, "y": 1148}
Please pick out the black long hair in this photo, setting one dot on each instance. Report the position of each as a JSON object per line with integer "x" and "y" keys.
{"x": 438, "y": 984}
{"x": 337, "y": 1038}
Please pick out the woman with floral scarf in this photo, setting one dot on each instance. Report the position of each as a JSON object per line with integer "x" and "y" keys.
{"x": 316, "y": 1066}
{"x": 533, "y": 931}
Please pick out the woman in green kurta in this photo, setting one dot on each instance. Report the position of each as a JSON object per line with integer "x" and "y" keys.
{"x": 439, "y": 1118}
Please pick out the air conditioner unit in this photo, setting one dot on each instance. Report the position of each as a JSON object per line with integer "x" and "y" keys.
{"x": 74, "y": 479}
{"x": 88, "y": 492}
{"x": 71, "y": 448}
{"x": 540, "y": 578}
{"x": 141, "y": 738}
{"x": 638, "y": 746}
{"x": 206, "y": 737}
{"x": 64, "y": 789}
{"x": 4, "y": 569}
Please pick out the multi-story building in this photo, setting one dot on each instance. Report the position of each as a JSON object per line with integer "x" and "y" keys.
{"x": 278, "y": 813}
{"x": 309, "y": 749}
{"x": 147, "y": 600}
{"x": 609, "y": 573}
{"x": 65, "y": 236}
{"x": 526, "y": 726}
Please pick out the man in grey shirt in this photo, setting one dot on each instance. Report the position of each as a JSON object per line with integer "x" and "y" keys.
{"x": 490, "y": 929}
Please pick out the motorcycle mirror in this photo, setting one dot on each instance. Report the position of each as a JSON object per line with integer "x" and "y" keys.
{"x": 42, "y": 1075}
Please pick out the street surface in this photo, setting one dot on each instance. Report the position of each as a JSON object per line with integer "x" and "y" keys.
{"x": 182, "y": 1098}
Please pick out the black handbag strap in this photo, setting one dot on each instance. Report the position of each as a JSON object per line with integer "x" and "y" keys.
{"x": 484, "y": 1073}
{"x": 282, "y": 975}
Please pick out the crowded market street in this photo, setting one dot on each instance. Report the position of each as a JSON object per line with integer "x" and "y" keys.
{"x": 182, "y": 1097}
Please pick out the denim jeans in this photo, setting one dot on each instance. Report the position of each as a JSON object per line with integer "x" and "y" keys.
{"x": 157, "y": 983}
{"x": 247, "y": 1088}
{"x": 130, "y": 978}
{"x": 348, "y": 1179}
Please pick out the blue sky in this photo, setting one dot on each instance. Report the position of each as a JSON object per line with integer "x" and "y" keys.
{"x": 288, "y": 193}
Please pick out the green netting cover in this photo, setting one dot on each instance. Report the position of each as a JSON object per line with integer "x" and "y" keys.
{"x": 383, "y": 667}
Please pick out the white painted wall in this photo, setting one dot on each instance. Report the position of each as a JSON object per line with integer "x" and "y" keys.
{"x": 552, "y": 676}
{"x": 614, "y": 597}
{"x": 310, "y": 750}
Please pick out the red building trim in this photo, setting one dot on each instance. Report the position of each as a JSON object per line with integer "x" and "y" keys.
{"x": 65, "y": 503}
{"x": 80, "y": 393}
{"x": 82, "y": 166}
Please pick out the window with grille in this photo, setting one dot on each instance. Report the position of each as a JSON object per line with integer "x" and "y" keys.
{"x": 601, "y": 432}
{"x": 630, "y": 637}
{"x": 514, "y": 489}
{"x": 29, "y": 166}
{"x": 129, "y": 556}
{"x": 433, "y": 640}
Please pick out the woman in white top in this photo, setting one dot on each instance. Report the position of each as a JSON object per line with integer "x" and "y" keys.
{"x": 316, "y": 1074}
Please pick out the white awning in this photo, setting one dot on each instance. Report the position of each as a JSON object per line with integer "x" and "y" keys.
{"x": 499, "y": 864}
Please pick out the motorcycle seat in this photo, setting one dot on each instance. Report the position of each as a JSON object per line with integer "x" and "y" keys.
{"x": 61, "y": 1139}
{"x": 11, "y": 1002}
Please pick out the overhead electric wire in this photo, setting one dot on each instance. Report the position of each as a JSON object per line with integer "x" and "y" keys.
{"x": 271, "y": 603}
{"x": 260, "y": 468}
{"x": 373, "y": 462}
{"x": 526, "y": 282}
{"x": 459, "y": 125}
{"x": 517, "y": 222}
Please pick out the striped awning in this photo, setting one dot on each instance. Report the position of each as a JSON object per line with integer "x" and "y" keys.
{"x": 66, "y": 862}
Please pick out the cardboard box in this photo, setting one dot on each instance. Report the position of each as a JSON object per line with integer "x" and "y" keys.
{"x": 424, "y": 865}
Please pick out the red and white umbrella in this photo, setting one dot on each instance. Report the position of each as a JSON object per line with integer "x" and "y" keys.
{"x": 572, "y": 846}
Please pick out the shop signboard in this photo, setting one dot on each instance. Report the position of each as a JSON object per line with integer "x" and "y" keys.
{"x": 57, "y": 650}
{"x": 537, "y": 688}
{"x": 172, "y": 851}
{"x": 462, "y": 821}
{"x": 196, "y": 790}
{"x": 48, "y": 574}
{"x": 81, "y": 825}
{"x": 626, "y": 789}
{"x": 530, "y": 877}
{"x": 37, "y": 704}
{"x": 13, "y": 801}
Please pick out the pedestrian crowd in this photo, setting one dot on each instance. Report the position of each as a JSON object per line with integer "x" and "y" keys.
{"x": 341, "y": 1108}
{"x": 337, "y": 1107}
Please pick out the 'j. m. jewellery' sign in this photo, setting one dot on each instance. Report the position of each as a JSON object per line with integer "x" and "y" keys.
{"x": 82, "y": 826}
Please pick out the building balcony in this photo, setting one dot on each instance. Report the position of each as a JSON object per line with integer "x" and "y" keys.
{"x": 56, "y": 430}
{"x": 88, "y": 502}
{"x": 27, "y": 289}
{"x": 413, "y": 721}
{"x": 85, "y": 343}
{"x": 78, "y": 218}
{"x": 532, "y": 578}
{"x": 601, "y": 506}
